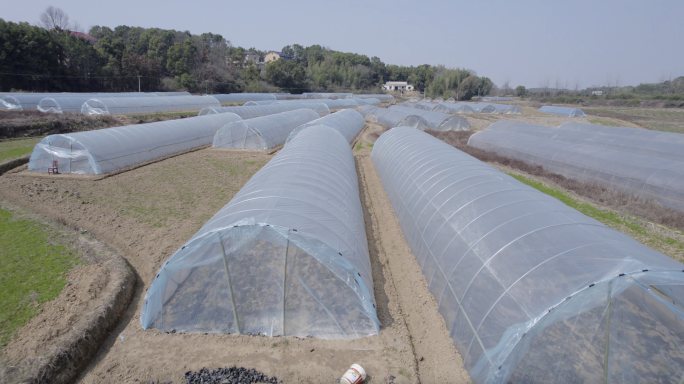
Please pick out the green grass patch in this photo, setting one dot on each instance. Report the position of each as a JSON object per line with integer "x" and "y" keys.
{"x": 359, "y": 147}
{"x": 15, "y": 148}
{"x": 32, "y": 271}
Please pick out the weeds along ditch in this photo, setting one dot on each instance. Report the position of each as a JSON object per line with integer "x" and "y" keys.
{"x": 595, "y": 193}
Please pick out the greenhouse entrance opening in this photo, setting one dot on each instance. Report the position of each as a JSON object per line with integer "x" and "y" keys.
{"x": 260, "y": 279}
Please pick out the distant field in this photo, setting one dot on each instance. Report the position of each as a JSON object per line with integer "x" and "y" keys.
{"x": 11, "y": 149}
{"x": 667, "y": 120}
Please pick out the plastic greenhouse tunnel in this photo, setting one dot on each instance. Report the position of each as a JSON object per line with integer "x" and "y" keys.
{"x": 62, "y": 105}
{"x": 287, "y": 256}
{"x": 371, "y": 101}
{"x": 563, "y": 111}
{"x": 333, "y": 96}
{"x": 436, "y": 120}
{"x": 30, "y": 101}
{"x": 483, "y": 108}
{"x": 438, "y": 100}
{"x": 493, "y": 98}
{"x": 347, "y": 122}
{"x": 448, "y": 107}
{"x": 624, "y": 143}
{"x": 130, "y": 105}
{"x": 646, "y": 177}
{"x": 424, "y": 105}
{"x": 451, "y": 100}
{"x": 507, "y": 109}
{"x": 391, "y": 118}
{"x": 250, "y": 112}
{"x": 242, "y": 97}
{"x": 530, "y": 289}
{"x": 262, "y": 132}
{"x": 382, "y": 97}
{"x": 105, "y": 150}
{"x": 626, "y": 132}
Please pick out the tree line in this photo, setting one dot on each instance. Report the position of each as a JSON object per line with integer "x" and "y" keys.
{"x": 33, "y": 58}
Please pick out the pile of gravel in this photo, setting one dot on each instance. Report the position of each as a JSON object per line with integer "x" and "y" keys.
{"x": 231, "y": 375}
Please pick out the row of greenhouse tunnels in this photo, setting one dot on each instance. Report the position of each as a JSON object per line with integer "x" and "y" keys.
{"x": 527, "y": 287}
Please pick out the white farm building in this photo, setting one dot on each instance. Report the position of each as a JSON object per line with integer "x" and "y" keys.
{"x": 397, "y": 86}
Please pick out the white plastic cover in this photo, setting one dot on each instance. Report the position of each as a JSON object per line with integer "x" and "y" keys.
{"x": 242, "y": 97}
{"x": 367, "y": 100}
{"x": 531, "y": 290}
{"x": 62, "y": 105}
{"x": 252, "y": 111}
{"x": 448, "y": 107}
{"x": 451, "y": 100}
{"x": 508, "y": 109}
{"x": 262, "y": 132}
{"x": 436, "y": 120}
{"x": 438, "y": 100}
{"x": 347, "y": 122}
{"x": 30, "y": 101}
{"x": 333, "y": 96}
{"x": 106, "y": 150}
{"x": 626, "y": 132}
{"x": 563, "y": 111}
{"x": 287, "y": 256}
{"x": 383, "y": 97}
{"x": 391, "y": 118}
{"x": 619, "y": 142}
{"x": 647, "y": 177}
{"x": 484, "y": 108}
{"x": 493, "y": 98}
{"x": 129, "y": 105}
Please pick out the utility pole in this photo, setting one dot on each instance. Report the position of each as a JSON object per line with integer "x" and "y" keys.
{"x": 206, "y": 87}
{"x": 139, "y": 83}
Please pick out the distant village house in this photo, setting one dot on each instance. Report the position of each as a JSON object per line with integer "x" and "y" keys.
{"x": 597, "y": 93}
{"x": 273, "y": 56}
{"x": 251, "y": 56}
{"x": 397, "y": 86}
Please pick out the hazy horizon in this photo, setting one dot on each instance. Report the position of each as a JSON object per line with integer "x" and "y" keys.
{"x": 524, "y": 42}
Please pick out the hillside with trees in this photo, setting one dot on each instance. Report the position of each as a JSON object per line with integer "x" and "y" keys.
{"x": 53, "y": 59}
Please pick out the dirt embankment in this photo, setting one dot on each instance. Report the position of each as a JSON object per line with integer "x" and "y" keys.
{"x": 15, "y": 124}
{"x": 60, "y": 340}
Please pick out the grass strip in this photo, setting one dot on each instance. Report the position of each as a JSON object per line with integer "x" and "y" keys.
{"x": 32, "y": 271}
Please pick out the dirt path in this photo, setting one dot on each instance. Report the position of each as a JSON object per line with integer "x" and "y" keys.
{"x": 437, "y": 359}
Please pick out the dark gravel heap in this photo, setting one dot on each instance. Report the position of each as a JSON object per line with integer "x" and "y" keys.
{"x": 231, "y": 375}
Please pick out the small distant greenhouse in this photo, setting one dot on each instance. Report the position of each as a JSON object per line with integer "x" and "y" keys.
{"x": 508, "y": 109}
{"x": 414, "y": 98}
{"x": 391, "y": 118}
{"x": 436, "y": 120}
{"x": 646, "y": 177}
{"x": 333, "y": 96}
{"x": 368, "y": 100}
{"x": 620, "y": 142}
{"x": 61, "y": 105}
{"x": 493, "y": 98}
{"x": 451, "y": 100}
{"x": 438, "y": 100}
{"x": 262, "y": 132}
{"x": 30, "y": 101}
{"x": 242, "y": 97}
{"x": 530, "y": 289}
{"x": 347, "y": 122}
{"x": 452, "y": 108}
{"x": 382, "y": 97}
{"x": 332, "y": 104}
{"x": 288, "y": 256}
{"x": 428, "y": 99}
{"x": 482, "y": 108}
{"x": 252, "y": 111}
{"x": 563, "y": 111}
{"x": 106, "y": 150}
{"x": 130, "y": 105}
{"x": 424, "y": 105}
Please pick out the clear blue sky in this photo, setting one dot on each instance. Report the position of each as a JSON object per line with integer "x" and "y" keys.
{"x": 524, "y": 41}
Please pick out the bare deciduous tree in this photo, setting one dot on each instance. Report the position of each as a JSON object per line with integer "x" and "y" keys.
{"x": 617, "y": 82}
{"x": 544, "y": 85}
{"x": 557, "y": 85}
{"x": 54, "y": 18}
{"x": 577, "y": 86}
{"x": 506, "y": 87}
{"x": 609, "y": 83}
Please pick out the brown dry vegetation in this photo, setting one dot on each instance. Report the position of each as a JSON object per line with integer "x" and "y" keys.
{"x": 594, "y": 192}
{"x": 34, "y": 123}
